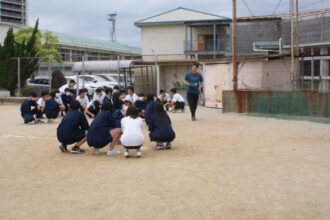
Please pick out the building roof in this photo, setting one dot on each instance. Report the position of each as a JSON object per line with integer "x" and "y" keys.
{"x": 179, "y": 16}
{"x": 92, "y": 43}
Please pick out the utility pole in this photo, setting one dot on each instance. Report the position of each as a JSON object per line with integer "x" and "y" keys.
{"x": 293, "y": 74}
{"x": 234, "y": 45}
{"x": 112, "y": 19}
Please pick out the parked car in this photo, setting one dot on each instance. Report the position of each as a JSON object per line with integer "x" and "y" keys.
{"x": 114, "y": 77}
{"x": 39, "y": 83}
{"x": 99, "y": 80}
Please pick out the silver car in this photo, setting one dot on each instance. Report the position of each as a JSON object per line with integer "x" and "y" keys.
{"x": 39, "y": 83}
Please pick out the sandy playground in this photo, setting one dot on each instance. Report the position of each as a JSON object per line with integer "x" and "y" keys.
{"x": 223, "y": 166}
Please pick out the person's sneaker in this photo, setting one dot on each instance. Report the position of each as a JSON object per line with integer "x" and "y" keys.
{"x": 95, "y": 151}
{"x": 159, "y": 146}
{"x": 37, "y": 121}
{"x": 63, "y": 148}
{"x": 113, "y": 152}
{"x": 168, "y": 145}
{"x": 138, "y": 153}
{"x": 126, "y": 154}
{"x": 77, "y": 150}
{"x": 193, "y": 118}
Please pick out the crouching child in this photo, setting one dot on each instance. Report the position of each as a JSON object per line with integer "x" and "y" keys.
{"x": 160, "y": 128}
{"x": 52, "y": 108}
{"x": 103, "y": 131}
{"x": 132, "y": 137}
{"x": 29, "y": 109}
{"x": 73, "y": 129}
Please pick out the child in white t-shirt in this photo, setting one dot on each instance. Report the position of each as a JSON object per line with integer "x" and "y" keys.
{"x": 82, "y": 99}
{"x": 132, "y": 137}
{"x": 177, "y": 102}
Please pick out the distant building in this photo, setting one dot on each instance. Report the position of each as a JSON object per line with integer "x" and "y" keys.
{"x": 175, "y": 39}
{"x": 13, "y": 12}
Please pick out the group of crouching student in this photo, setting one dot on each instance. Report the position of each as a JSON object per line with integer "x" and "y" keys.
{"x": 117, "y": 118}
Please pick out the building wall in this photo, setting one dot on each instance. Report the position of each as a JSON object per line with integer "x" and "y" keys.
{"x": 252, "y": 75}
{"x": 173, "y": 73}
{"x": 276, "y": 73}
{"x": 4, "y": 29}
{"x": 217, "y": 78}
{"x": 163, "y": 41}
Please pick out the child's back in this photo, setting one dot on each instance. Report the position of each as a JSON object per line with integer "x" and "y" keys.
{"x": 132, "y": 132}
{"x": 98, "y": 134}
{"x": 51, "y": 108}
{"x": 73, "y": 124}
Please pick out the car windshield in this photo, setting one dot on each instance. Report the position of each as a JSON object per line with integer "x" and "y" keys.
{"x": 100, "y": 79}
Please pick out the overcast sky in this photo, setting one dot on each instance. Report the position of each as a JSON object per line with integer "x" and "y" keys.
{"x": 89, "y": 17}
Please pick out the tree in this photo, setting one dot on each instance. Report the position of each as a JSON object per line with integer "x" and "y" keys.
{"x": 10, "y": 51}
{"x": 45, "y": 43}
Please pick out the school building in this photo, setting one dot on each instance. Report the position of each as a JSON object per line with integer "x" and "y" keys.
{"x": 176, "y": 39}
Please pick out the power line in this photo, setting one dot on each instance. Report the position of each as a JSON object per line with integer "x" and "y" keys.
{"x": 246, "y": 5}
{"x": 278, "y": 4}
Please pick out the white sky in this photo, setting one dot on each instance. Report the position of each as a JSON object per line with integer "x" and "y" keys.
{"x": 89, "y": 17}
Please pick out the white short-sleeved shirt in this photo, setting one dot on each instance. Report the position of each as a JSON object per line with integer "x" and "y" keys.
{"x": 133, "y": 98}
{"x": 166, "y": 98}
{"x": 99, "y": 98}
{"x": 41, "y": 102}
{"x": 62, "y": 88}
{"x": 132, "y": 132}
{"x": 177, "y": 98}
{"x": 59, "y": 100}
{"x": 83, "y": 101}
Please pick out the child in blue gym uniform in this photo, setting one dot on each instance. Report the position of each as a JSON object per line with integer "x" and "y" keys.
{"x": 160, "y": 128}
{"x": 72, "y": 129}
{"x": 149, "y": 110}
{"x": 66, "y": 99}
{"x": 103, "y": 131}
{"x": 52, "y": 108}
{"x": 29, "y": 109}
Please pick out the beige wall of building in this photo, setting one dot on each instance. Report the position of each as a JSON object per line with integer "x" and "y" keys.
{"x": 163, "y": 41}
{"x": 262, "y": 74}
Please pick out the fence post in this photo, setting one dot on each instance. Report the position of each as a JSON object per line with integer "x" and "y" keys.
{"x": 50, "y": 57}
{"x": 19, "y": 76}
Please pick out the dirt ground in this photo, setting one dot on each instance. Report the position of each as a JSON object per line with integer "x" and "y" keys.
{"x": 223, "y": 166}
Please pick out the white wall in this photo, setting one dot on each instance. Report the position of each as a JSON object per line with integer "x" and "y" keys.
{"x": 276, "y": 73}
{"x": 261, "y": 74}
{"x": 217, "y": 77}
{"x": 3, "y": 31}
{"x": 163, "y": 41}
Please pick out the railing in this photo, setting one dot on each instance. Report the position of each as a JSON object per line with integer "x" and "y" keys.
{"x": 208, "y": 45}
{"x": 13, "y": 2}
{"x": 14, "y": 15}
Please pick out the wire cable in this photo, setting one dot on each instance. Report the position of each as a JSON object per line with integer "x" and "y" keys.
{"x": 247, "y": 6}
{"x": 275, "y": 9}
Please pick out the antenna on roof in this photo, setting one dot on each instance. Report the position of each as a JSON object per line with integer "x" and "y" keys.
{"x": 112, "y": 19}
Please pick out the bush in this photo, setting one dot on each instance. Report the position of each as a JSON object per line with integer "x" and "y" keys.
{"x": 26, "y": 90}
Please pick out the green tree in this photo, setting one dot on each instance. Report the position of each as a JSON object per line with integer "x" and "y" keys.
{"x": 45, "y": 43}
{"x": 9, "y": 52}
